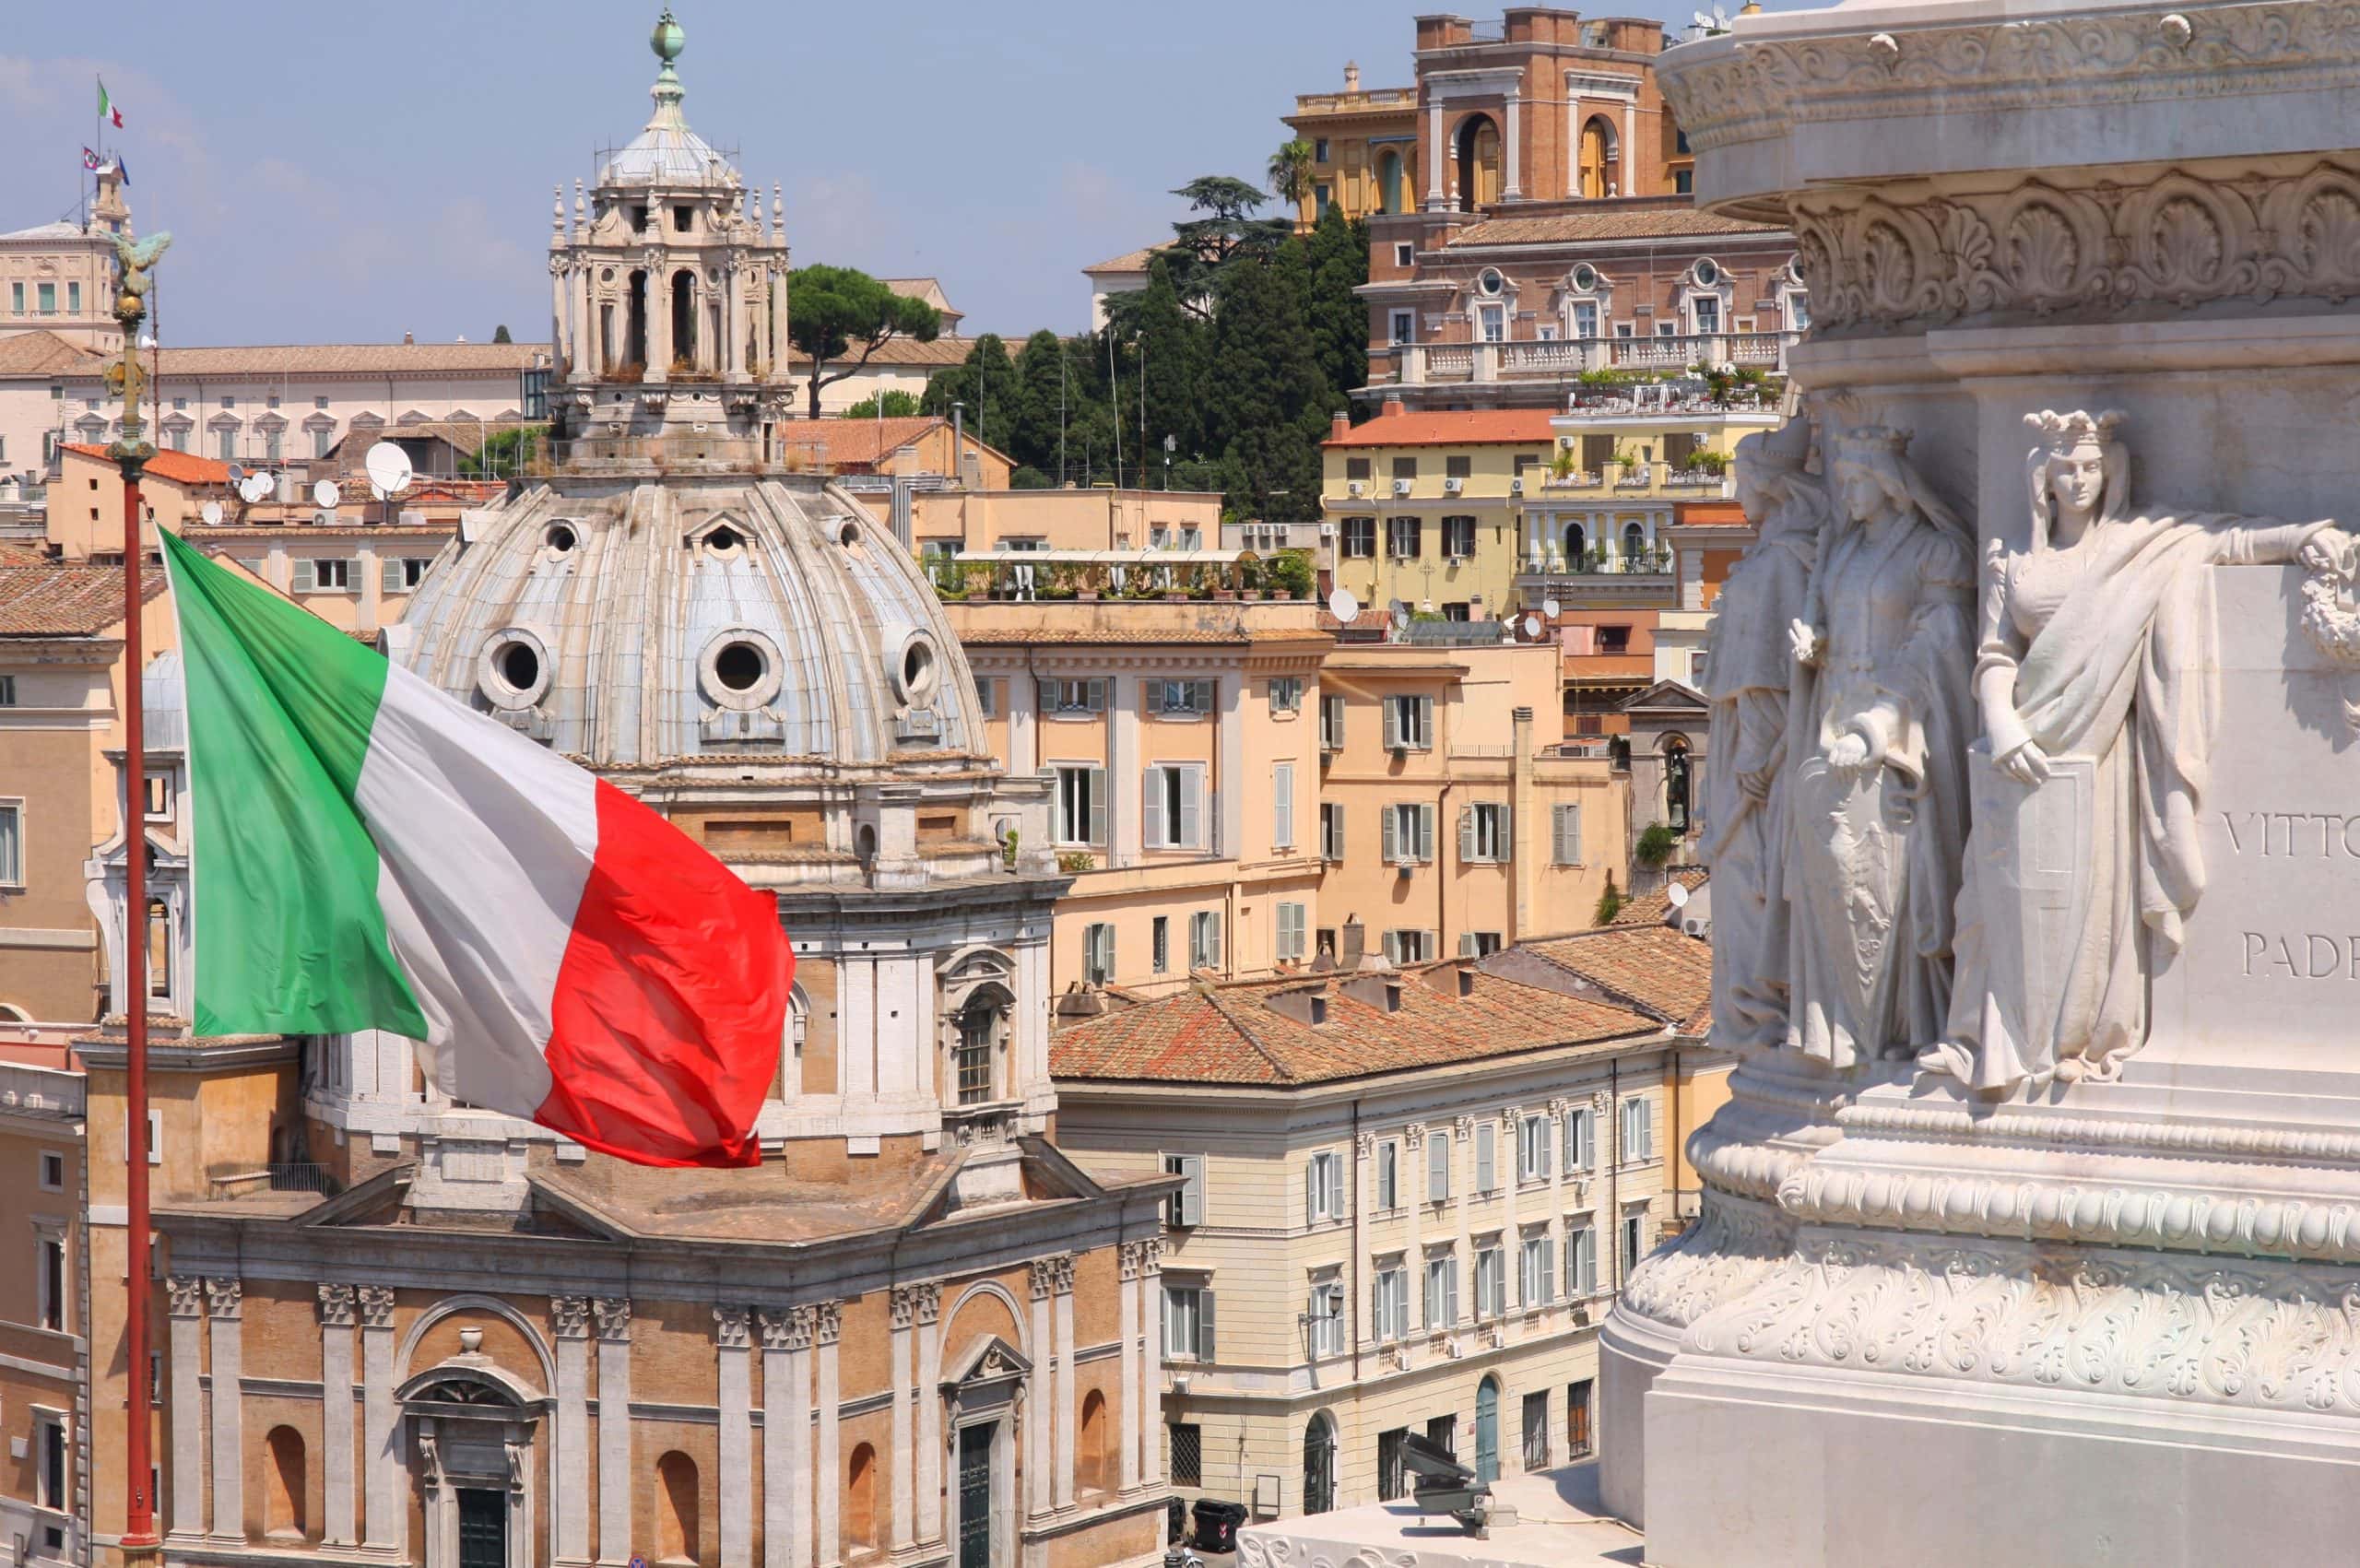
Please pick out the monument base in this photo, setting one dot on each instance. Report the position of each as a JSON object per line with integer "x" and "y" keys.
{"x": 1776, "y": 1467}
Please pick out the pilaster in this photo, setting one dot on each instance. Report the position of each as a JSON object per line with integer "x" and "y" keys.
{"x": 1040, "y": 1420}
{"x": 223, "y": 1302}
{"x": 902, "y": 1306}
{"x": 786, "y": 1436}
{"x": 735, "y": 1481}
{"x": 928, "y": 1300}
{"x": 827, "y": 1327}
{"x": 1126, "y": 1321}
{"x": 613, "y": 1316}
{"x": 570, "y": 1495}
{"x": 337, "y": 1319}
{"x": 384, "y": 1518}
{"x": 1068, "y": 1407}
{"x": 187, "y": 1407}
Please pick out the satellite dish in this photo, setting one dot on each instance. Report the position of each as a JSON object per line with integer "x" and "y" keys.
{"x": 326, "y": 494}
{"x": 388, "y": 469}
{"x": 1532, "y": 626}
{"x": 236, "y": 473}
{"x": 1549, "y": 608}
{"x": 1342, "y": 606}
{"x": 255, "y": 487}
{"x": 211, "y": 513}
{"x": 1676, "y": 895}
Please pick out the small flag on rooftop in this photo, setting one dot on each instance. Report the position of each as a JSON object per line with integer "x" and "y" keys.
{"x": 107, "y": 110}
{"x": 90, "y": 160}
{"x": 122, "y": 172}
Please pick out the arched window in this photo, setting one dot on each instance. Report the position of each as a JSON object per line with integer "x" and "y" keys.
{"x": 790, "y": 1080}
{"x": 675, "y": 1508}
{"x": 635, "y": 323}
{"x": 684, "y": 319}
{"x": 1319, "y": 1465}
{"x": 1675, "y": 783}
{"x": 1093, "y": 1464}
{"x": 1487, "y": 1431}
{"x": 1479, "y": 163}
{"x": 1577, "y": 544}
{"x": 283, "y": 1485}
{"x": 1634, "y": 542}
{"x": 1390, "y": 196}
{"x": 1597, "y": 157}
{"x": 860, "y": 1499}
{"x": 975, "y": 1051}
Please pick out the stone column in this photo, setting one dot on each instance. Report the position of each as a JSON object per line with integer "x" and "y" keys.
{"x": 1627, "y": 155}
{"x": 779, "y": 345}
{"x": 335, "y": 1414}
{"x": 560, "y": 272}
{"x": 1038, "y": 1424}
{"x": 659, "y": 331}
{"x": 1069, "y": 1410}
{"x": 732, "y": 329}
{"x": 735, "y": 1484}
{"x": 223, "y": 1302}
{"x": 1127, "y": 1322}
{"x": 188, "y": 1403}
{"x": 385, "y": 1520}
{"x": 613, "y": 1314}
{"x": 1151, "y": 1356}
{"x": 901, "y": 1377}
{"x": 1512, "y": 187}
{"x": 928, "y": 1300}
{"x": 570, "y": 1473}
{"x": 1434, "y": 198}
{"x": 827, "y": 1326}
{"x": 582, "y": 347}
{"x": 787, "y": 1437}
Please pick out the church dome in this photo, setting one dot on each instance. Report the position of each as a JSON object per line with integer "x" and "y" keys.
{"x": 729, "y": 618}
{"x": 666, "y": 153}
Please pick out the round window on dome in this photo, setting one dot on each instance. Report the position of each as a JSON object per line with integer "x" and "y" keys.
{"x": 849, "y": 534}
{"x": 740, "y": 666}
{"x": 519, "y": 666}
{"x": 740, "y": 669}
{"x": 513, "y": 668}
{"x": 918, "y": 675}
{"x": 560, "y": 538}
{"x": 723, "y": 540}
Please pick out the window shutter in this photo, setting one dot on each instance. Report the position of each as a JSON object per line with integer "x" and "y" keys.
{"x": 1466, "y": 834}
{"x": 1204, "y": 1325}
{"x": 1098, "y": 696}
{"x": 1450, "y": 1297}
{"x": 1044, "y": 696}
{"x": 1393, "y": 946}
{"x": 1332, "y": 817}
{"x": 1425, "y": 832}
{"x": 302, "y": 582}
{"x": 1506, "y": 848}
{"x": 389, "y": 576}
{"x": 1437, "y": 1167}
{"x": 1486, "y": 1151}
{"x": 1213, "y": 940}
{"x": 1466, "y": 943}
{"x": 1098, "y": 806}
{"x": 1311, "y": 1192}
{"x": 1201, "y": 696}
{"x": 1569, "y": 835}
{"x": 1392, "y": 835}
{"x": 1192, "y": 1196}
{"x": 1392, "y": 723}
{"x": 1283, "y": 806}
{"x": 1192, "y": 788}
{"x": 1151, "y": 795}
{"x": 1425, "y": 721}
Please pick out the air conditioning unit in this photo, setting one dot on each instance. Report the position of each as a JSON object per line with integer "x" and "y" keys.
{"x": 1401, "y": 487}
{"x": 324, "y": 519}
{"x": 1356, "y": 488}
{"x": 1404, "y": 865}
{"x": 1326, "y": 530}
{"x": 1453, "y": 485}
{"x": 1516, "y": 486}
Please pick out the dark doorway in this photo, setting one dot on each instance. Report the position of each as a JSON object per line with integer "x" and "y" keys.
{"x": 635, "y": 322}
{"x": 684, "y": 319}
{"x": 975, "y": 1496}
{"x": 483, "y": 1527}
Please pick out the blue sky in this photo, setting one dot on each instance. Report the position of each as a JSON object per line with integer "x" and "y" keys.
{"x": 335, "y": 173}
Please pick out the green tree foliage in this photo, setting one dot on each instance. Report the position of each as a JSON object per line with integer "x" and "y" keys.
{"x": 1173, "y": 343}
{"x": 1223, "y": 230}
{"x": 504, "y": 453}
{"x": 833, "y": 312}
{"x": 1290, "y": 171}
{"x": 1338, "y": 262}
{"x": 984, "y": 386}
{"x": 500, "y": 334}
{"x": 890, "y": 404}
{"x": 1265, "y": 395}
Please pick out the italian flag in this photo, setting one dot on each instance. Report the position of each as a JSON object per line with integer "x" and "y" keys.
{"x": 372, "y": 854}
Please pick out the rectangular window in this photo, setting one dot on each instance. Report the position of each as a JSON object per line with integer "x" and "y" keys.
{"x": 1494, "y": 323}
{"x": 1536, "y": 1279}
{"x": 1638, "y": 1131}
{"x": 1458, "y": 538}
{"x": 1580, "y": 1139}
{"x": 1407, "y": 946}
{"x": 1388, "y": 1175}
{"x": 1185, "y": 697}
{"x": 1483, "y": 832}
{"x": 988, "y": 696}
{"x": 53, "y": 1465}
{"x": 1356, "y": 467}
{"x": 1404, "y": 537}
{"x": 1458, "y": 468}
{"x": 1709, "y": 315}
{"x": 1623, "y": 329}
{"x": 1323, "y": 1186}
{"x": 16, "y": 299}
{"x": 1532, "y": 1148}
{"x": 12, "y": 843}
{"x": 159, "y": 805}
{"x": 1322, "y": 196}
{"x": 1487, "y": 1174}
{"x": 323, "y": 442}
{"x": 1634, "y": 1242}
{"x": 1283, "y": 806}
{"x": 1286, "y": 694}
{"x": 977, "y": 1028}
{"x": 1360, "y": 539}
{"x": 1319, "y": 149}
{"x": 1392, "y": 1482}
{"x": 1581, "y": 1262}
{"x": 1442, "y": 1290}
{"x": 1331, "y": 832}
{"x": 1187, "y": 1323}
{"x": 1324, "y": 1320}
{"x": 1390, "y": 1317}
{"x": 320, "y": 403}
{"x": 1186, "y": 1440}
{"x": 1173, "y": 797}
{"x": 1405, "y": 254}
{"x": 1437, "y": 1167}
{"x": 1567, "y": 835}
{"x": 1405, "y": 327}
{"x": 1536, "y": 1430}
{"x": 1067, "y": 698}
{"x": 7, "y": 690}
{"x": 1584, "y": 318}
{"x": 1204, "y": 939}
{"x": 1081, "y": 805}
{"x": 74, "y": 299}
{"x": 47, "y": 294}
{"x": 1187, "y": 1207}
{"x": 225, "y": 446}
{"x": 1443, "y": 1433}
{"x": 1666, "y": 329}
{"x": 1409, "y": 723}
{"x": 1159, "y": 942}
{"x": 1577, "y": 1436}
{"x": 1408, "y": 832}
{"x": 1332, "y": 724}
{"x": 159, "y": 951}
{"x": 1405, "y": 467}
{"x": 53, "y": 1282}
{"x": 53, "y": 1172}
{"x": 270, "y": 446}
{"x": 1491, "y": 1282}
{"x": 1098, "y": 953}
{"x": 1291, "y": 919}
{"x": 332, "y": 574}
{"x": 1479, "y": 944}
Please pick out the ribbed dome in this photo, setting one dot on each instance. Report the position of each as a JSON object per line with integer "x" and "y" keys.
{"x": 632, "y": 623}
{"x": 666, "y": 152}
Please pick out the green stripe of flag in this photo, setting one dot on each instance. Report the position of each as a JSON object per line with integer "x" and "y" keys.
{"x": 290, "y": 938}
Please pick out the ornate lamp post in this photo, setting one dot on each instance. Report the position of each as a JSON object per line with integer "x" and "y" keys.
{"x": 131, "y": 451}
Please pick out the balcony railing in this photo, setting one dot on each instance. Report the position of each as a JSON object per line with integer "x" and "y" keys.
{"x": 1550, "y": 561}
{"x": 1417, "y": 364}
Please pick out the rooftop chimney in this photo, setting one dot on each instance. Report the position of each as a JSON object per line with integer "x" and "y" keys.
{"x": 1339, "y": 425}
{"x": 1393, "y": 403}
{"x": 1355, "y": 945}
{"x": 1351, "y": 75}
{"x": 408, "y": 339}
{"x": 1379, "y": 989}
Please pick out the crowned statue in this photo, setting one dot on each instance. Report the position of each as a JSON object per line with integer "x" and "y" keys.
{"x": 2096, "y": 676}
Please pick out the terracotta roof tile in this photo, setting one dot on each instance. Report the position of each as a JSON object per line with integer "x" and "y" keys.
{"x": 1471, "y": 427}
{"x": 1230, "y": 1033}
{"x": 1665, "y": 973}
{"x": 1650, "y": 908}
{"x": 61, "y": 600}
{"x": 1602, "y": 221}
{"x": 38, "y": 353}
{"x": 178, "y": 467}
{"x": 1129, "y": 261}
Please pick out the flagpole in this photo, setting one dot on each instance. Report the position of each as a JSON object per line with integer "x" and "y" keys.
{"x": 131, "y": 451}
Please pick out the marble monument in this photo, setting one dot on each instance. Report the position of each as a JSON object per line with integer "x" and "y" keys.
{"x": 2031, "y": 1233}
